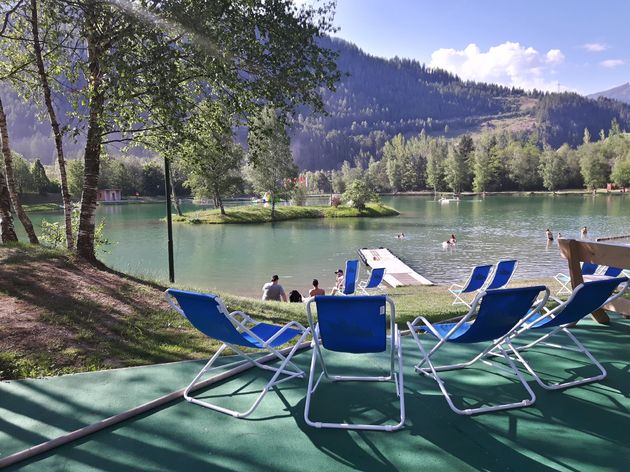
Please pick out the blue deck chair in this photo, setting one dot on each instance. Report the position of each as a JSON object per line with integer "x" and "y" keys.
{"x": 237, "y": 330}
{"x": 476, "y": 280}
{"x": 502, "y": 274}
{"x": 564, "y": 280}
{"x": 355, "y": 325}
{"x": 374, "y": 282}
{"x": 609, "y": 273}
{"x": 585, "y": 299}
{"x": 494, "y": 315}
{"x": 350, "y": 277}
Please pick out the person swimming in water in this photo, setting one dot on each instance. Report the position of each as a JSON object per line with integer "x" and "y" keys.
{"x": 583, "y": 232}
{"x": 549, "y": 235}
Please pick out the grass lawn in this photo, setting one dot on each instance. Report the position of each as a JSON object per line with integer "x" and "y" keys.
{"x": 42, "y": 207}
{"x": 60, "y": 315}
{"x": 256, "y": 214}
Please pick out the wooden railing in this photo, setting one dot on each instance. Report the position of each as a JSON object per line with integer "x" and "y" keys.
{"x": 613, "y": 255}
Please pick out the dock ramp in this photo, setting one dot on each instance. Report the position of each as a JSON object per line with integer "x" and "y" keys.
{"x": 397, "y": 273}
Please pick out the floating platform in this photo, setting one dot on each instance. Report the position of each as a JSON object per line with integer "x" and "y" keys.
{"x": 397, "y": 273}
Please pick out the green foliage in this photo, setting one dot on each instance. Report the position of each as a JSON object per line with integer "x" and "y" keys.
{"x": 593, "y": 165}
{"x": 621, "y": 172}
{"x": 553, "y": 169}
{"x": 209, "y": 155}
{"x": 53, "y": 235}
{"x": 22, "y": 173}
{"x": 40, "y": 180}
{"x": 255, "y": 214}
{"x": 486, "y": 165}
{"x": 457, "y": 165}
{"x": 75, "y": 177}
{"x": 359, "y": 194}
{"x": 298, "y": 195}
{"x": 523, "y": 165}
{"x": 152, "y": 179}
{"x": 272, "y": 167}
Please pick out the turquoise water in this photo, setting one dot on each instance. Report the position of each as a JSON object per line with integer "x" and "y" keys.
{"x": 241, "y": 258}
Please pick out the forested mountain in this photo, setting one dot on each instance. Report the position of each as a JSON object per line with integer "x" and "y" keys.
{"x": 378, "y": 98}
{"x": 621, "y": 93}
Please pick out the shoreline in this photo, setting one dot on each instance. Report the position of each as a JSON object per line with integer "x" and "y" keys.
{"x": 258, "y": 215}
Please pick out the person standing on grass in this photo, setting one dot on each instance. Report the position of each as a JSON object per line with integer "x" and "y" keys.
{"x": 273, "y": 290}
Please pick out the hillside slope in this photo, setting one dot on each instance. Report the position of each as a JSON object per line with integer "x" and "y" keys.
{"x": 379, "y": 98}
{"x": 621, "y": 93}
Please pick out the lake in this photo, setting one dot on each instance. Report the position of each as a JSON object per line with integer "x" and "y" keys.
{"x": 241, "y": 258}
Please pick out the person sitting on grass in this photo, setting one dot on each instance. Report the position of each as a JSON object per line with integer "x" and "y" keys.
{"x": 295, "y": 296}
{"x": 316, "y": 290}
{"x": 338, "y": 283}
{"x": 273, "y": 290}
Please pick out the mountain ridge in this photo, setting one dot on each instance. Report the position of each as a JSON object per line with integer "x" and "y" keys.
{"x": 379, "y": 98}
{"x": 620, "y": 92}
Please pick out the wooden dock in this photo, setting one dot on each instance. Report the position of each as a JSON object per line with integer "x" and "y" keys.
{"x": 397, "y": 273}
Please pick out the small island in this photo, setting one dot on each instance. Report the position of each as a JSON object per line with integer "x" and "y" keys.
{"x": 255, "y": 214}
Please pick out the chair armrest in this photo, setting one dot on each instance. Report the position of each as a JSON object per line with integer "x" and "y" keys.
{"x": 246, "y": 317}
{"x": 285, "y": 327}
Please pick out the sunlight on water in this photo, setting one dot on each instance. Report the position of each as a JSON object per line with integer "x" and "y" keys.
{"x": 240, "y": 258}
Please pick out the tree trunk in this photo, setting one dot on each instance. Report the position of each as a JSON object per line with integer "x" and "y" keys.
{"x": 219, "y": 201}
{"x": 7, "y": 231}
{"x": 92, "y": 157}
{"x": 174, "y": 197}
{"x": 10, "y": 180}
{"x": 67, "y": 204}
{"x": 273, "y": 206}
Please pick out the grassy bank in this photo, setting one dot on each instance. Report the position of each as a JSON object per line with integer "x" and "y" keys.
{"x": 255, "y": 214}
{"x": 42, "y": 207}
{"x": 59, "y": 315}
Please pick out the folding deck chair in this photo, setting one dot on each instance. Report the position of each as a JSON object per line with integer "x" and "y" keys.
{"x": 374, "y": 282}
{"x": 564, "y": 280}
{"x": 350, "y": 277}
{"x": 609, "y": 273}
{"x": 494, "y": 315}
{"x": 502, "y": 274}
{"x": 585, "y": 299}
{"x": 209, "y": 315}
{"x": 475, "y": 282}
{"x": 354, "y": 325}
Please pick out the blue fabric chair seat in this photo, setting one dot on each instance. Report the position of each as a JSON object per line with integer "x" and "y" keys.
{"x": 266, "y": 331}
{"x": 444, "y": 328}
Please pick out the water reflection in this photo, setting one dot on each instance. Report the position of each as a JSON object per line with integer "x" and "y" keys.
{"x": 240, "y": 258}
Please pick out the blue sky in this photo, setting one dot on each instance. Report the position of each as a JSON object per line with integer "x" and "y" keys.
{"x": 553, "y": 44}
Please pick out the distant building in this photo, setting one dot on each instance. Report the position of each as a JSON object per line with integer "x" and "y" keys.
{"x": 109, "y": 195}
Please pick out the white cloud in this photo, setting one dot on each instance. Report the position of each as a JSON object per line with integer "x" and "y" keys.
{"x": 595, "y": 47}
{"x": 508, "y": 64}
{"x": 610, "y": 63}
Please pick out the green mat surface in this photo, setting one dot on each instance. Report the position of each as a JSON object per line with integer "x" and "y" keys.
{"x": 580, "y": 429}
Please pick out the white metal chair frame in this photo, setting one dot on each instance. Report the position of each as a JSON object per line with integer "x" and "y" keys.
{"x": 395, "y": 376}
{"x": 242, "y": 327}
{"x": 456, "y": 289}
{"x": 493, "y": 274}
{"x": 363, "y": 284}
{"x": 562, "y": 329}
{"x": 565, "y": 280}
{"x": 496, "y": 345}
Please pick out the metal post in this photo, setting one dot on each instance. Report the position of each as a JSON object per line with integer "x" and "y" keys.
{"x": 169, "y": 219}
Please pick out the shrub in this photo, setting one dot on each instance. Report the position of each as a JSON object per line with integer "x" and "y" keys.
{"x": 359, "y": 194}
